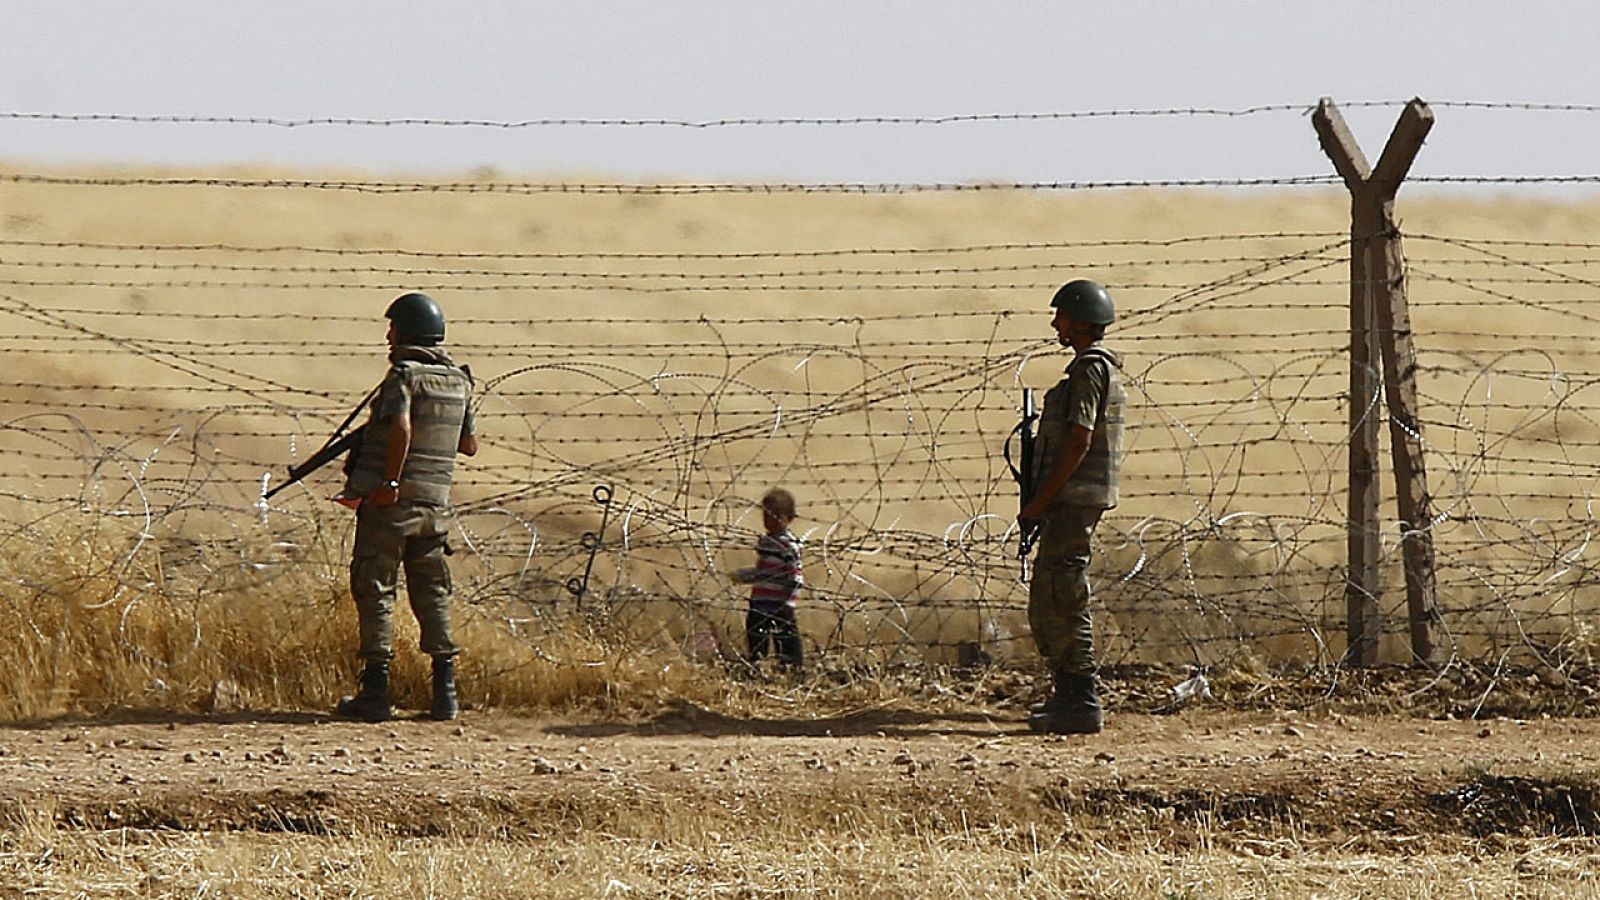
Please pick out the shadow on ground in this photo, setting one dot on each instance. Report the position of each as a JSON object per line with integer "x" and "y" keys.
{"x": 685, "y": 718}
{"x": 173, "y": 719}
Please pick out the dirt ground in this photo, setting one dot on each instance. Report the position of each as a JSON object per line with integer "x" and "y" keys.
{"x": 1219, "y": 774}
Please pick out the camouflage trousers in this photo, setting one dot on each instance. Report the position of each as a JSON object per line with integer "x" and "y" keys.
{"x": 1058, "y": 597}
{"x": 411, "y": 535}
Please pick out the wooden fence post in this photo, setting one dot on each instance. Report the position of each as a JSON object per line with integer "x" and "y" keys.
{"x": 1363, "y": 622}
{"x": 1380, "y": 329}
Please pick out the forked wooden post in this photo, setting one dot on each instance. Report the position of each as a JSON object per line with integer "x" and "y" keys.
{"x": 1363, "y": 618}
{"x": 1380, "y": 336}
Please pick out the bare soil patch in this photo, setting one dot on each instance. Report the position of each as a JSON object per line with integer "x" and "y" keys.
{"x": 1220, "y": 775}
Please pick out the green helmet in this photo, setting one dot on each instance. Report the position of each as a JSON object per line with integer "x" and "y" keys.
{"x": 1085, "y": 301}
{"x": 416, "y": 316}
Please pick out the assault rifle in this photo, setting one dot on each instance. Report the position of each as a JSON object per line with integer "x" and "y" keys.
{"x": 341, "y": 443}
{"x": 1023, "y": 471}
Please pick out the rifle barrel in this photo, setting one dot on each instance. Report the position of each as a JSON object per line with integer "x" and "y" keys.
{"x": 335, "y": 448}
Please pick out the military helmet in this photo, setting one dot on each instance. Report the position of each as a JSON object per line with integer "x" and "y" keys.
{"x": 1085, "y": 301}
{"x": 417, "y": 316}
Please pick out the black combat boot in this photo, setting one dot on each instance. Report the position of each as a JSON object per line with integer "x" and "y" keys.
{"x": 371, "y": 704}
{"x": 1056, "y": 702}
{"x": 445, "y": 707}
{"x": 1078, "y": 710}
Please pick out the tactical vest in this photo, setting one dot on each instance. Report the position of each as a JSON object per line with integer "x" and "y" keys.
{"x": 1095, "y": 483}
{"x": 439, "y": 397}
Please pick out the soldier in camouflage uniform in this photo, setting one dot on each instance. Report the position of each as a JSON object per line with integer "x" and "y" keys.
{"x": 399, "y": 480}
{"x": 1080, "y": 454}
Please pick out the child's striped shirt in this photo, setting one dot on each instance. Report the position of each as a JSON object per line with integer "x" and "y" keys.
{"x": 776, "y": 577}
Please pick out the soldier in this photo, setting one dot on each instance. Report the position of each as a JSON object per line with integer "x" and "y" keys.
{"x": 399, "y": 482}
{"x": 1080, "y": 453}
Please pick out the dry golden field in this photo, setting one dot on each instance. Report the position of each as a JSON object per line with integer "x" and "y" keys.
{"x": 170, "y": 346}
{"x": 867, "y": 351}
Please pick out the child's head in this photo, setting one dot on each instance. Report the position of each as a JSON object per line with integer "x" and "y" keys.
{"x": 777, "y": 510}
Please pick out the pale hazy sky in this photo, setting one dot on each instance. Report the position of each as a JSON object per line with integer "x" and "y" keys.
{"x": 706, "y": 59}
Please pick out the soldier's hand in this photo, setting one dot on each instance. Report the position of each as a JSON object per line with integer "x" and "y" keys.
{"x": 385, "y": 495}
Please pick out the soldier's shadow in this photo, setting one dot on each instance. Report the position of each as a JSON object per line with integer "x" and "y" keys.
{"x": 683, "y": 717}
{"x": 170, "y": 718}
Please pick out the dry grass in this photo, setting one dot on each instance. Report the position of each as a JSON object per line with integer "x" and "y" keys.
{"x": 96, "y": 624}
{"x": 852, "y": 856}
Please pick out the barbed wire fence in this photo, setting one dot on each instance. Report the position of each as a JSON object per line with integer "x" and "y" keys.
{"x": 626, "y": 442}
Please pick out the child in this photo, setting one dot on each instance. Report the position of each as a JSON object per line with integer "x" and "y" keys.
{"x": 775, "y": 579}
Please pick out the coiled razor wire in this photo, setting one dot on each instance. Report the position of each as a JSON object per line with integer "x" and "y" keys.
{"x": 888, "y": 428}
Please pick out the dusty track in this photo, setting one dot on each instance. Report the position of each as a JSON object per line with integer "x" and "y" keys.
{"x": 1224, "y": 774}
